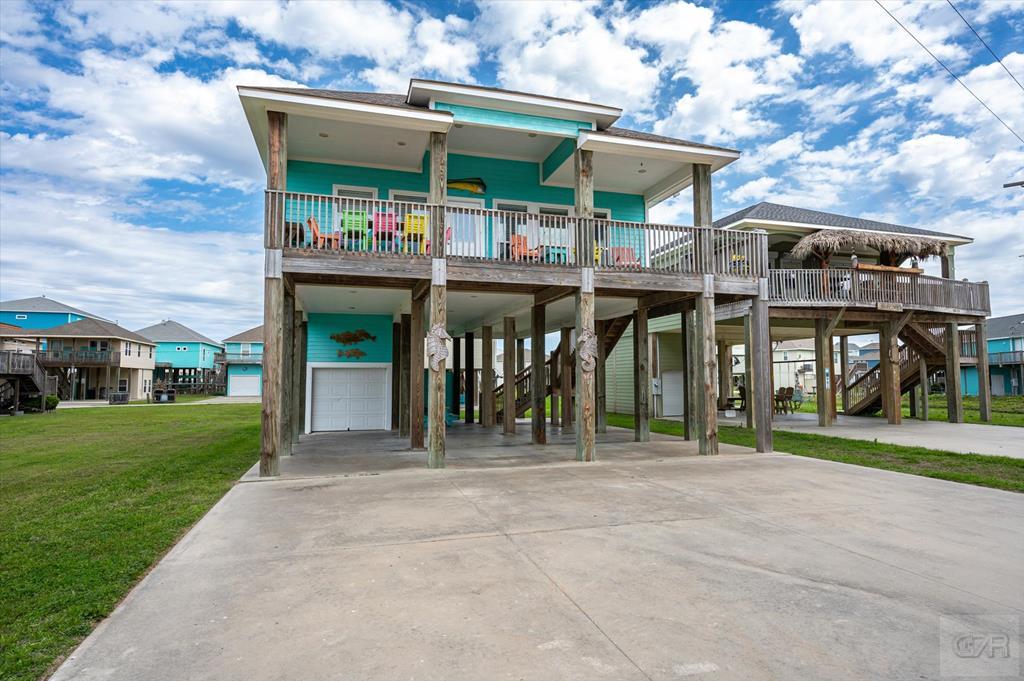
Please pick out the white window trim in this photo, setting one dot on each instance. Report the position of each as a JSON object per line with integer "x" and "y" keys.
{"x": 21, "y": 316}
{"x": 354, "y": 188}
{"x": 533, "y": 207}
{"x": 422, "y": 195}
{"x": 308, "y": 416}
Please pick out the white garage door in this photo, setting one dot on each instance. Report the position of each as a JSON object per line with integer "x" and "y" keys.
{"x": 349, "y": 399}
{"x": 244, "y": 386}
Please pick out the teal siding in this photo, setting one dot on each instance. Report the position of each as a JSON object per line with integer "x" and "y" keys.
{"x": 38, "y": 320}
{"x": 236, "y": 348}
{"x": 321, "y": 348}
{"x": 1000, "y": 345}
{"x": 506, "y": 179}
{"x": 509, "y": 119}
{"x": 969, "y": 380}
{"x": 196, "y": 356}
{"x": 558, "y": 156}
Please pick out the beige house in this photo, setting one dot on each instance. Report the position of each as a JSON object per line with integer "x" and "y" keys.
{"x": 92, "y": 359}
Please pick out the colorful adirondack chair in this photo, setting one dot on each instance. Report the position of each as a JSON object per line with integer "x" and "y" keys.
{"x": 519, "y": 248}
{"x": 319, "y": 239}
{"x": 417, "y": 228}
{"x": 623, "y": 256}
{"x": 385, "y": 229}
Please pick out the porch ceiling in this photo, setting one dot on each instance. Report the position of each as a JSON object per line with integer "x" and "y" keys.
{"x": 500, "y": 142}
{"x": 357, "y": 143}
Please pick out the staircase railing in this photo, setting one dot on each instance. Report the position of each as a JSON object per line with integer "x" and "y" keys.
{"x": 867, "y": 387}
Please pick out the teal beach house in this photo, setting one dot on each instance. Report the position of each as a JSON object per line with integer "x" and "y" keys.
{"x": 41, "y": 312}
{"x": 184, "y": 357}
{"x": 1005, "y": 344}
{"x": 242, "y": 360}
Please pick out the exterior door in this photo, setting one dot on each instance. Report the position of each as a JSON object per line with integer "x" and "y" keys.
{"x": 349, "y": 398}
{"x": 672, "y": 393}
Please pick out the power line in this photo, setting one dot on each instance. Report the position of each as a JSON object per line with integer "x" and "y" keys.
{"x": 955, "y": 77}
{"x": 996, "y": 56}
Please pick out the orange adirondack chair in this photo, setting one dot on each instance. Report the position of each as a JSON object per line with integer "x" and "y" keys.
{"x": 319, "y": 239}
{"x": 520, "y": 248}
{"x": 623, "y": 256}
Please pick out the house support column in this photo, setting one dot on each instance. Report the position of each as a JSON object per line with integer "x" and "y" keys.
{"x": 954, "y": 400}
{"x": 456, "y": 405}
{"x": 821, "y": 374}
{"x": 724, "y": 374}
{"x": 706, "y": 381}
{"x": 588, "y": 357}
{"x": 555, "y": 386}
{"x": 689, "y": 374}
{"x": 487, "y": 416}
{"x": 417, "y": 408}
{"x": 889, "y": 366}
{"x": 287, "y": 370}
{"x": 470, "y": 377}
{"x": 298, "y": 417}
{"x": 748, "y": 347}
{"x": 600, "y": 379}
{"x": 508, "y": 370}
{"x": 396, "y": 373}
{"x": 912, "y": 402}
{"x": 405, "y": 379}
{"x": 273, "y": 299}
{"x": 923, "y": 372}
{"x": 537, "y": 379}
{"x": 641, "y": 377}
{"x": 520, "y": 354}
{"x": 984, "y": 382}
{"x": 437, "y": 337}
{"x": 565, "y": 378}
{"x": 759, "y": 395}
{"x": 844, "y": 369}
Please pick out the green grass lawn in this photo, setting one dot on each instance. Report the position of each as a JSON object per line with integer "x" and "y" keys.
{"x": 91, "y": 498}
{"x": 988, "y": 471}
{"x": 1007, "y": 410}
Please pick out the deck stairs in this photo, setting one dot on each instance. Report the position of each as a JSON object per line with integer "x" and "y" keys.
{"x": 23, "y": 370}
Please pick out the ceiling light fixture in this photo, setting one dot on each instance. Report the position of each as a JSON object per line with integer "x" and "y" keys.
{"x": 400, "y": 143}
{"x": 642, "y": 170}
{"x": 458, "y": 125}
{"x": 532, "y": 134}
{"x": 323, "y": 134}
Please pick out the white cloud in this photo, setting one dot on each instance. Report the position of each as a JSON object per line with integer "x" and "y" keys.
{"x": 754, "y": 191}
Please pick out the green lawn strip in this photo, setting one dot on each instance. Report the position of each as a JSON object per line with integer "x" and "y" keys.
{"x": 1000, "y": 472}
{"x": 91, "y": 499}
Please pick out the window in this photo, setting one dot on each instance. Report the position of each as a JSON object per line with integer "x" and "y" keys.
{"x": 100, "y": 345}
{"x": 245, "y": 349}
{"x": 128, "y": 348}
{"x": 21, "y": 316}
{"x": 348, "y": 191}
{"x": 151, "y": 352}
{"x": 409, "y": 197}
{"x": 122, "y": 385}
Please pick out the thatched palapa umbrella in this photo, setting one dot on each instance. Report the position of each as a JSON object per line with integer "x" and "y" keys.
{"x": 897, "y": 247}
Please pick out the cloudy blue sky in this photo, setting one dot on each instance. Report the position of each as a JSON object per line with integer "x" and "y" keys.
{"x": 131, "y": 185}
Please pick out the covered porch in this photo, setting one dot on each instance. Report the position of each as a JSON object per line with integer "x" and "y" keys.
{"x": 469, "y": 446}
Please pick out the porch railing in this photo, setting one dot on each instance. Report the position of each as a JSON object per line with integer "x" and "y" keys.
{"x": 371, "y": 228}
{"x": 238, "y": 357}
{"x": 80, "y": 358}
{"x": 878, "y": 289}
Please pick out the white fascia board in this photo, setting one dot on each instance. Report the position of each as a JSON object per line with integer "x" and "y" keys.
{"x": 682, "y": 153}
{"x": 756, "y": 224}
{"x": 606, "y": 115}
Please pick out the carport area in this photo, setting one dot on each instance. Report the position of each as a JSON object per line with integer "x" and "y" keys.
{"x": 469, "y": 446}
{"x": 731, "y": 567}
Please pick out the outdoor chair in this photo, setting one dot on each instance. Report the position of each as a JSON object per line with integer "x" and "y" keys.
{"x": 385, "y": 230}
{"x": 355, "y": 225}
{"x": 780, "y": 401}
{"x": 320, "y": 239}
{"x": 623, "y": 256}
{"x": 417, "y": 227}
{"x": 789, "y": 400}
{"x": 520, "y": 248}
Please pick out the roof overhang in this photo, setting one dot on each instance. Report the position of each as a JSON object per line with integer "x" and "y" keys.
{"x": 681, "y": 156}
{"x": 424, "y": 92}
{"x": 805, "y": 227}
{"x": 256, "y": 102}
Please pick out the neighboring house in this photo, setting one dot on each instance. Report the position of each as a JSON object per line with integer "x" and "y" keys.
{"x": 184, "y": 358}
{"x": 93, "y": 358}
{"x": 821, "y": 263}
{"x": 41, "y": 312}
{"x": 242, "y": 358}
{"x": 10, "y": 341}
{"x": 1005, "y": 344}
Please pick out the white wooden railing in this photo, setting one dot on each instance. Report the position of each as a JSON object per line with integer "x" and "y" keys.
{"x": 371, "y": 228}
{"x": 837, "y": 287}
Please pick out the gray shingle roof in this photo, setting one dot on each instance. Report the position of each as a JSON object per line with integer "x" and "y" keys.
{"x": 399, "y": 101}
{"x": 1011, "y": 326}
{"x": 170, "y": 331}
{"x": 83, "y": 328}
{"x": 43, "y": 304}
{"x": 779, "y": 213}
{"x": 253, "y": 335}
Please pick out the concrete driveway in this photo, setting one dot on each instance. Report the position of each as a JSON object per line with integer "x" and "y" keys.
{"x": 731, "y": 567}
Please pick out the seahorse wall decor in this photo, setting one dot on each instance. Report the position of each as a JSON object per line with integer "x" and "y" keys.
{"x": 586, "y": 350}
{"x": 437, "y": 346}
{"x": 352, "y": 338}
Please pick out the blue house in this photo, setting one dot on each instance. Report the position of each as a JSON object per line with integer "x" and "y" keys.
{"x": 184, "y": 357}
{"x": 1005, "y": 358}
{"x": 41, "y": 312}
{"x": 243, "y": 355}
